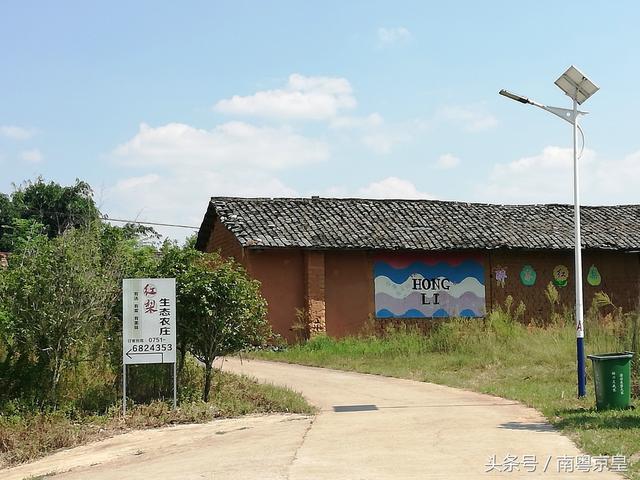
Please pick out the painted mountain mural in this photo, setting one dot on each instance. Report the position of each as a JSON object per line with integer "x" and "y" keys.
{"x": 429, "y": 286}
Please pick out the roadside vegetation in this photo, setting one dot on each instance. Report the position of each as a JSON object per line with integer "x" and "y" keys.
{"x": 28, "y": 435}
{"x": 533, "y": 363}
{"x": 61, "y": 327}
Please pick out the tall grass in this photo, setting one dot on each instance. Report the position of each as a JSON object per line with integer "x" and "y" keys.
{"x": 534, "y": 363}
{"x": 499, "y": 341}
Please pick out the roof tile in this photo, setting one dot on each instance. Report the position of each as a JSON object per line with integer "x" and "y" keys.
{"x": 330, "y": 223}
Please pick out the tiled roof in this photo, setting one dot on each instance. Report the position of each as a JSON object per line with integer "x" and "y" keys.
{"x": 331, "y": 223}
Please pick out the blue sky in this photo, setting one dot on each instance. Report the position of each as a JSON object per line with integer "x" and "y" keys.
{"x": 160, "y": 105}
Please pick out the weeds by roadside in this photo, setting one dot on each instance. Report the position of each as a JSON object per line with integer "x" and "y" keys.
{"x": 26, "y": 436}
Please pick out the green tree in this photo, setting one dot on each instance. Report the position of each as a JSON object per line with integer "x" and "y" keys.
{"x": 55, "y": 206}
{"x": 7, "y": 215}
{"x": 175, "y": 261}
{"x": 220, "y": 310}
{"x": 19, "y": 233}
{"x": 57, "y": 296}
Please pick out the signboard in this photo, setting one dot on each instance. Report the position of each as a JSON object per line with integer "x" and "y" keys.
{"x": 429, "y": 285}
{"x": 148, "y": 320}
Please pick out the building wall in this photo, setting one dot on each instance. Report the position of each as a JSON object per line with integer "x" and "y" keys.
{"x": 314, "y": 291}
{"x": 349, "y": 291}
{"x": 281, "y": 274}
{"x": 339, "y": 284}
{"x": 620, "y": 274}
{"x": 226, "y": 243}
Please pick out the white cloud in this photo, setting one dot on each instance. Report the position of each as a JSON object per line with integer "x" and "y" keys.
{"x": 305, "y": 98}
{"x": 390, "y": 36}
{"x": 182, "y": 196}
{"x": 373, "y": 133}
{"x": 16, "y": 133}
{"x": 548, "y": 177}
{"x": 230, "y": 144}
{"x": 184, "y": 166}
{"x": 327, "y": 99}
{"x": 447, "y": 161}
{"x": 392, "y": 187}
{"x": 545, "y": 177}
{"x": 471, "y": 118}
{"x": 614, "y": 181}
{"x": 32, "y": 156}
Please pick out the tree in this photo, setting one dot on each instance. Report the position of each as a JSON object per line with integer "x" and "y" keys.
{"x": 175, "y": 262}
{"x": 55, "y": 206}
{"x": 57, "y": 296}
{"x": 19, "y": 233}
{"x": 219, "y": 308}
{"x": 7, "y": 214}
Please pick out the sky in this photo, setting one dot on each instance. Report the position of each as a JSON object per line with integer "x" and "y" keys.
{"x": 161, "y": 105}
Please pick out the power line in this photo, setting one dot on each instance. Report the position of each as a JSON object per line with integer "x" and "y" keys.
{"x": 106, "y": 218}
{"x": 149, "y": 223}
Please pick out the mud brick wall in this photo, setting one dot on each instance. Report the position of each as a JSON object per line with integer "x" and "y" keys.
{"x": 335, "y": 288}
{"x": 314, "y": 281}
{"x": 223, "y": 241}
{"x": 619, "y": 272}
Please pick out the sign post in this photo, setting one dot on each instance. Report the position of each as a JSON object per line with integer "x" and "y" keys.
{"x": 148, "y": 326}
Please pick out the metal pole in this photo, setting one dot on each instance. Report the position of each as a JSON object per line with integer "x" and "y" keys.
{"x": 582, "y": 381}
{"x": 175, "y": 387}
{"x": 124, "y": 389}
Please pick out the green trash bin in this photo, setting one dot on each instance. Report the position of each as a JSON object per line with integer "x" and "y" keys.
{"x": 612, "y": 377}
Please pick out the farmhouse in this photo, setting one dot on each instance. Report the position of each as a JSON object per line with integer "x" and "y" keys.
{"x": 341, "y": 262}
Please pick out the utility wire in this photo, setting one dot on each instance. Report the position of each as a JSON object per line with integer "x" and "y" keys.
{"x": 107, "y": 219}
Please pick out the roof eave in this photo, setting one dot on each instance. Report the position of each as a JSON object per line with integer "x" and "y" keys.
{"x": 204, "y": 233}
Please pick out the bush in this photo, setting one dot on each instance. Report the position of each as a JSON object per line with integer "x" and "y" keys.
{"x": 220, "y": 310}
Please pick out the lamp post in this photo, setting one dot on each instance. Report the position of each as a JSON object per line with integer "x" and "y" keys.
{"x": 579, "y": 88}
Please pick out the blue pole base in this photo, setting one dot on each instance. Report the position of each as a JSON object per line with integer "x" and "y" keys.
{"x": 582, "y": 374}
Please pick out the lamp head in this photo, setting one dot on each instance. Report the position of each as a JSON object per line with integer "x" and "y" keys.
{"x": 513, "y": 96}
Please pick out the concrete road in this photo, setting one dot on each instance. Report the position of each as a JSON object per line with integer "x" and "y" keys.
{"x": 369, "y": 427}
{"x": 248, "y": 448}
{"x": 373, "y": 427}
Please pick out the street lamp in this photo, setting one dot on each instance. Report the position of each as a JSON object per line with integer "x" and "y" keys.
{"x": 579, "y": 88}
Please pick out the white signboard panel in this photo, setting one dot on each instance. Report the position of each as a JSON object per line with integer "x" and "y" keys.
{"x": 149, "y": 320}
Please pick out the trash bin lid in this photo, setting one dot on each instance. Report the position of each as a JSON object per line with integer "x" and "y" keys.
{"x": 611, "y": 356}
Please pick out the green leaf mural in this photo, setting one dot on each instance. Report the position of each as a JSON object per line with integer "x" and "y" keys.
{"x": 593, "y": 277}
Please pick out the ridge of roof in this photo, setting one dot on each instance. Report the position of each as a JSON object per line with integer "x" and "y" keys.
{"x": 411, "y": 200}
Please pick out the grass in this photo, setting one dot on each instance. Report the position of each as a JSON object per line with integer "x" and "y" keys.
{"x": 27, "y": 436}
{"x": 533, "y": 364}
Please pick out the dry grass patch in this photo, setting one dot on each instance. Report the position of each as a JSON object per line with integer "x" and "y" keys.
{"x": 26, "y": 437}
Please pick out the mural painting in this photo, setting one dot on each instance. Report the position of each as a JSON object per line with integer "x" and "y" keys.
{"x": 560, "y": 276}
{"x": 528, "y": 276}
{"x": 501, "y": 275}
{"x": 429, "y": 286}
{"x": 593, "y": 277}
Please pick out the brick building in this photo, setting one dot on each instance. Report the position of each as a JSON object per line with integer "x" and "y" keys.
{"x": 344, "y": 261}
